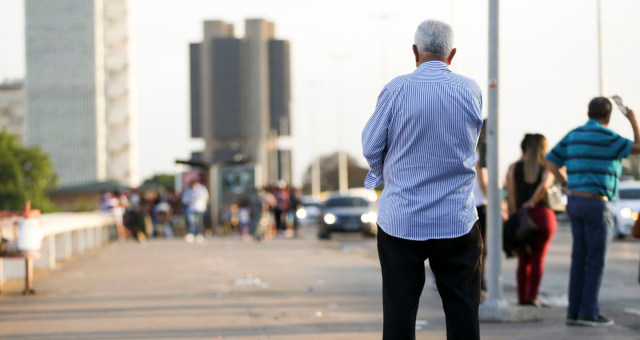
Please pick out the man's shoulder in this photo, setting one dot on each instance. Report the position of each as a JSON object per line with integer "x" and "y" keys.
{"x": 397, "y": 83}
{"x": 466, "y": 82}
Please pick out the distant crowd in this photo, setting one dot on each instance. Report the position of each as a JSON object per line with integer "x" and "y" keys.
{"x": 266, "y": 213}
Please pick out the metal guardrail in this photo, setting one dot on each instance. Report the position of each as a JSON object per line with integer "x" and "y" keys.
{"x": 64, "y": 235}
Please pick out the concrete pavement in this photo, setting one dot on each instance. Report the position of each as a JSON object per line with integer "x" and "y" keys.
{"x": 279, "y": 289}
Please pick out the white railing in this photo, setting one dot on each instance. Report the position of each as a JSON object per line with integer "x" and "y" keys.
{"x": 64, "y": 235}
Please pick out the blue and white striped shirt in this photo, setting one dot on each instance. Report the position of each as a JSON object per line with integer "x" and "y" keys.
{"x": 421, "y": 143}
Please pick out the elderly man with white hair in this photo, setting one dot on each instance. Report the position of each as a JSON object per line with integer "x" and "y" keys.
{"x": 421, "y": 142}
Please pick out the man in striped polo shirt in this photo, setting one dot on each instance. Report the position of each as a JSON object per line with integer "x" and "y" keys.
{"x": 421, "y": 142}
{"x": 592, "y": 156}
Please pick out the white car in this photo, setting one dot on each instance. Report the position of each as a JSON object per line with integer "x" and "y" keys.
{"x": 626, "y": 207}
{"x": 309, "y": 210}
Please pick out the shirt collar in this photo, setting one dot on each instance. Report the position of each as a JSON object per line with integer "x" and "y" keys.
{"x": 434, "y": 65}
{"x": 593, "y": 122}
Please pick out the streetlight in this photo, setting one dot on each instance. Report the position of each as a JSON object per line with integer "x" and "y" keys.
{"x": 496, "y": 308}
{"x": 343, "y": 179}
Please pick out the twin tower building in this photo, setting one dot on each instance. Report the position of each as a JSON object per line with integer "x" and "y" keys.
{"x": 240, "y": 97}
{"x": 80, "y": 96}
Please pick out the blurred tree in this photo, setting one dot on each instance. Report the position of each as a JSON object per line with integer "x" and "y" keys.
{"x": 165, "y": 181}
{"x": 329, "y": 174}
{"x": 25, "y": 175}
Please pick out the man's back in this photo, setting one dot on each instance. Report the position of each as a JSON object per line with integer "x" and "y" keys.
{"x": 592, "y": 156}
{"x": 432, "y": 118}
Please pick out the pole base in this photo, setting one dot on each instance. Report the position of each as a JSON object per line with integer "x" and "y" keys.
{"x": 501, "y": 311}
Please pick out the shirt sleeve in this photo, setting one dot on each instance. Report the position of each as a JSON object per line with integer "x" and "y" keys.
{"x": 623, "y": 147}
{"x": 558, "y": 155}
{"x": 375, "y": 138}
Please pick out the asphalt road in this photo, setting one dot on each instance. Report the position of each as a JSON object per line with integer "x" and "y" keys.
{"x": 279, "y": 289}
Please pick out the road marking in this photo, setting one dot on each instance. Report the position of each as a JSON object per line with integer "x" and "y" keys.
{"x": 632, "y": 311}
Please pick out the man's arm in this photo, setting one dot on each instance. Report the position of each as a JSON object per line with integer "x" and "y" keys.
{"x": 374, "y": 139}
{"x": 631, "y": 115}
{"x": 559, "y": 175}
{"x": 482, "y": 178}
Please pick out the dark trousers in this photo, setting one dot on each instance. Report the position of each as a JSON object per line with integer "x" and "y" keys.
{"x": 591, "y": 227}
{"x": 456, "y": 266}
{"x": 482, "y": 223}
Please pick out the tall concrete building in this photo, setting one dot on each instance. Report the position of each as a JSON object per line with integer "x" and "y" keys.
{"x": 12, "y": 108}
{"x": 79, "y": 91}
{"x": 240, "y": 94}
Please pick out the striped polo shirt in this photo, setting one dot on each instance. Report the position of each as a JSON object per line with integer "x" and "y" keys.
{"x": 592, "y": 155}
{"x": 421, "y": 142}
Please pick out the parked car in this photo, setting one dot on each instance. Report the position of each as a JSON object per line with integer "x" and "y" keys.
{"x": 626, "y": 207}
{"x": 309, "y": 210}
{"x": 349, "y": 213}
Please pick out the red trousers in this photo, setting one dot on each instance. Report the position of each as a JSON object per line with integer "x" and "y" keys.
{"x": 531, "y": 266}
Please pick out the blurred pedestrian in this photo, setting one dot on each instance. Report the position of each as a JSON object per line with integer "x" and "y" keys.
{"x": 163, "y": 218}
{"x": 527, "y": 183}
{"x": 592, "y": 156}
{"x": 421, "y": 143}
{"x": 110, "y": 203}
{"x": 480, "y": 197}
{"x": 244, "y": 218}
{"x": 195, "y": 201}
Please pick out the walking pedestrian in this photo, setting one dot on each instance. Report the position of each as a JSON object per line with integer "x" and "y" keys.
{"x": 421, "y": 142}
{"x": 195, "y": 201}
{"x": 592, "y": 156}
{"x": 111, "y": 203}
{"x": 527, "y": 183}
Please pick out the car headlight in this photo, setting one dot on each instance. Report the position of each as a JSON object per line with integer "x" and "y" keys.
{"x": 329, "y": 218}
{"x": 301, "y": 213}
{"x": 625, "y": 213}
{"x": 370, "y": 217}
{"x": 634, "y": 216}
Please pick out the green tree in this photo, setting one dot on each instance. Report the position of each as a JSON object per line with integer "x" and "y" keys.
{"x": 25, "y": 175}
{"x": 165, "y": 181}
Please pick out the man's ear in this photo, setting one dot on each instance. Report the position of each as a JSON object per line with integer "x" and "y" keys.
{"x": 451, "y": 55}
{"x": 415, "y": 53}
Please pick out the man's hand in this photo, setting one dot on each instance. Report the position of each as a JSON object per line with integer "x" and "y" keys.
{"x": 631, "y": 115}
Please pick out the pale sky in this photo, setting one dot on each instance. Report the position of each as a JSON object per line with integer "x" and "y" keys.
{"x": 344, "y": 51}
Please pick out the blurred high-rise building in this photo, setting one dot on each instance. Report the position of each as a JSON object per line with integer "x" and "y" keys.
{"x": 79, "y": 93}
{"x": 12, "y": 108}
{"x": 240, "y": 96}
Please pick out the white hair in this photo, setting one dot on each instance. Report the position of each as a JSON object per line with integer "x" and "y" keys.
{"x": 434, "y": 37}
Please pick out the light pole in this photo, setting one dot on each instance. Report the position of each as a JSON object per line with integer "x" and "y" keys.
{"x": 315, "y": 165}
{"x": 495, "y": 308}
{"x": 343, "y": 177}
{"x": 494, "y": 221}
{"x": 600, "y": 50}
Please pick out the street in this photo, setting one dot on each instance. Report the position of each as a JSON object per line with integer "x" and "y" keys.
{"x": 278, "y": 289}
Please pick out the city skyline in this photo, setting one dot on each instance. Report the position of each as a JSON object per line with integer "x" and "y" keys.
{"x": 341, "y": 60}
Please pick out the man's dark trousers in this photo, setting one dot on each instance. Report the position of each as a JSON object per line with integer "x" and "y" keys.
{"x": 456, "y": 265}
{"x": 591, "y": 228}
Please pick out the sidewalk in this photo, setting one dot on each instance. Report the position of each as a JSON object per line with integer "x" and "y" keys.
{"x": 230, "y": 289}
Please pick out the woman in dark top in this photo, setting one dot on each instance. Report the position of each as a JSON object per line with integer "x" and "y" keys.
{"x": 527, "y": 184}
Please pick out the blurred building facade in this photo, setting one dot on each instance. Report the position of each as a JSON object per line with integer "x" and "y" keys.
{"x": 12, "y": 108}
{"x": 240, "y": 97}
{"x": 79, "y": 93}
